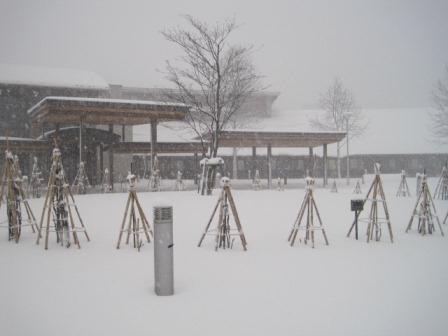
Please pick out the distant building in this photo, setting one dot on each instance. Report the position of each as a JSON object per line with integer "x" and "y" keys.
{"x": 21, "y": 87}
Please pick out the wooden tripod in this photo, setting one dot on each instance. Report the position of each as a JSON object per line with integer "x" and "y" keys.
{"x": 357, "y": 189}
{"x": 403, "y": 188}
{"x": 425, "y": 211}
{"x": 308, "y": 207}
{"x": 15, "y": 198}
{"x": 374, "y": 222}
{"x": 135, "y": 219}
{"x": 441, "y": 191}
{"x": 334, "y": 187}
{"x": 81, "y": 182}
{"x": 223, "y": 232}
{"x": 58, "y": 206}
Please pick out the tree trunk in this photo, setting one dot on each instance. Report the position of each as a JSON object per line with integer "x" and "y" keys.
{"x": 211, "y": 173}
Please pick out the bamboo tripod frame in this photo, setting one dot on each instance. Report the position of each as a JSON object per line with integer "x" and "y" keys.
{"x": 425, "y": 211}
{"x": 441, "y": 191}
{"x": 307, "y": 211}
{"x": 223, "y": 232}
{"x": 15, "y": 198}
{"x": 403, "y": 188}
{"x": 59, "y": 188}
{"x": 134, "y": 220}
{"x": 334, "y": 187}
{"x": 81, "y": 182}
{"x": 357, "y": 189}
{"x": 376, "y": 192}
{"x": 35, "y": 181}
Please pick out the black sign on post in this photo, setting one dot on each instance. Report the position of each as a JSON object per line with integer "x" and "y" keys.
{"x": 357, "y": 206}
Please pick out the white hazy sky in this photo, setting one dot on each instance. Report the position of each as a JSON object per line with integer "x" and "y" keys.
{"x": 389, "y": 52}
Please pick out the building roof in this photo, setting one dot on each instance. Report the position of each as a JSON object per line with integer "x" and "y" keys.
{"x": 390, "y": 131}
{"x": 162, "y": 147}
{"x": 279, "y": 138}
{"x": 50, "y": 76}
{"x": 67, "y": 110}
{"x": 23, "y": 144}
{"x": 71, "y": 135}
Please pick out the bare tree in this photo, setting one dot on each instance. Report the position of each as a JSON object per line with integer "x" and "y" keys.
{"x": 341, "y": 114}
{"x": 213, "y": 76}
{"x": 440, "y": 114}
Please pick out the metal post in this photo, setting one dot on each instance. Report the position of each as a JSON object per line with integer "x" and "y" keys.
{"x": 163, "y": 250}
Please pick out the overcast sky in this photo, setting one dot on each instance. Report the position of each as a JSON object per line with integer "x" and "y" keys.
{"x": 388, "y": 52}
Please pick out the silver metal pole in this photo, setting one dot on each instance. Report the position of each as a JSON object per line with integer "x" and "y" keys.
{"x": 163, "y": 250}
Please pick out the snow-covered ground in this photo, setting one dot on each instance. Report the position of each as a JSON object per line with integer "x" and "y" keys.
{"x": 347, "y": 288}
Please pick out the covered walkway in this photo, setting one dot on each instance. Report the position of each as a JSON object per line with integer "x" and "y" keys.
{"x": 271, "y": 139}
{"x": 80, "y": 111}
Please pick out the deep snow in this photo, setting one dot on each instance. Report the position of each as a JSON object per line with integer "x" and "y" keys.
{"x": 347, "y": 288}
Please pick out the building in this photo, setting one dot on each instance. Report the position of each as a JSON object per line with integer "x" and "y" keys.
{"x": 21, "y": 87}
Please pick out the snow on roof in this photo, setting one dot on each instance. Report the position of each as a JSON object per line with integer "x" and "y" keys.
{"x": 169, "y": 131}
{"x": 3, "y": 138}
{"x": 49, "y": 76}
{"x": 390, "y": 131}
{"x": 212, "y": 161}
{"x": 103, "y": 100}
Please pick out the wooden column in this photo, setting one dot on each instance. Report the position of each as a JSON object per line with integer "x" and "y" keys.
{"x": 254, "y": 161}
{"x": 235, "y": 163}
{"x": 269, "y": 166}
{"x": 101, "y": 162}
{"x": 56, "y": 133}
{"x": 195, "y": 167}
{"x": 325, "y": 164}
{"x": 81, "y": 126}
{"x": 30, "y": 163}
{"x": 123, "y": 133}
{"x": 153, "y": 140}
{"x": 311, "y": 162}
{"x": 111, "y": 158}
